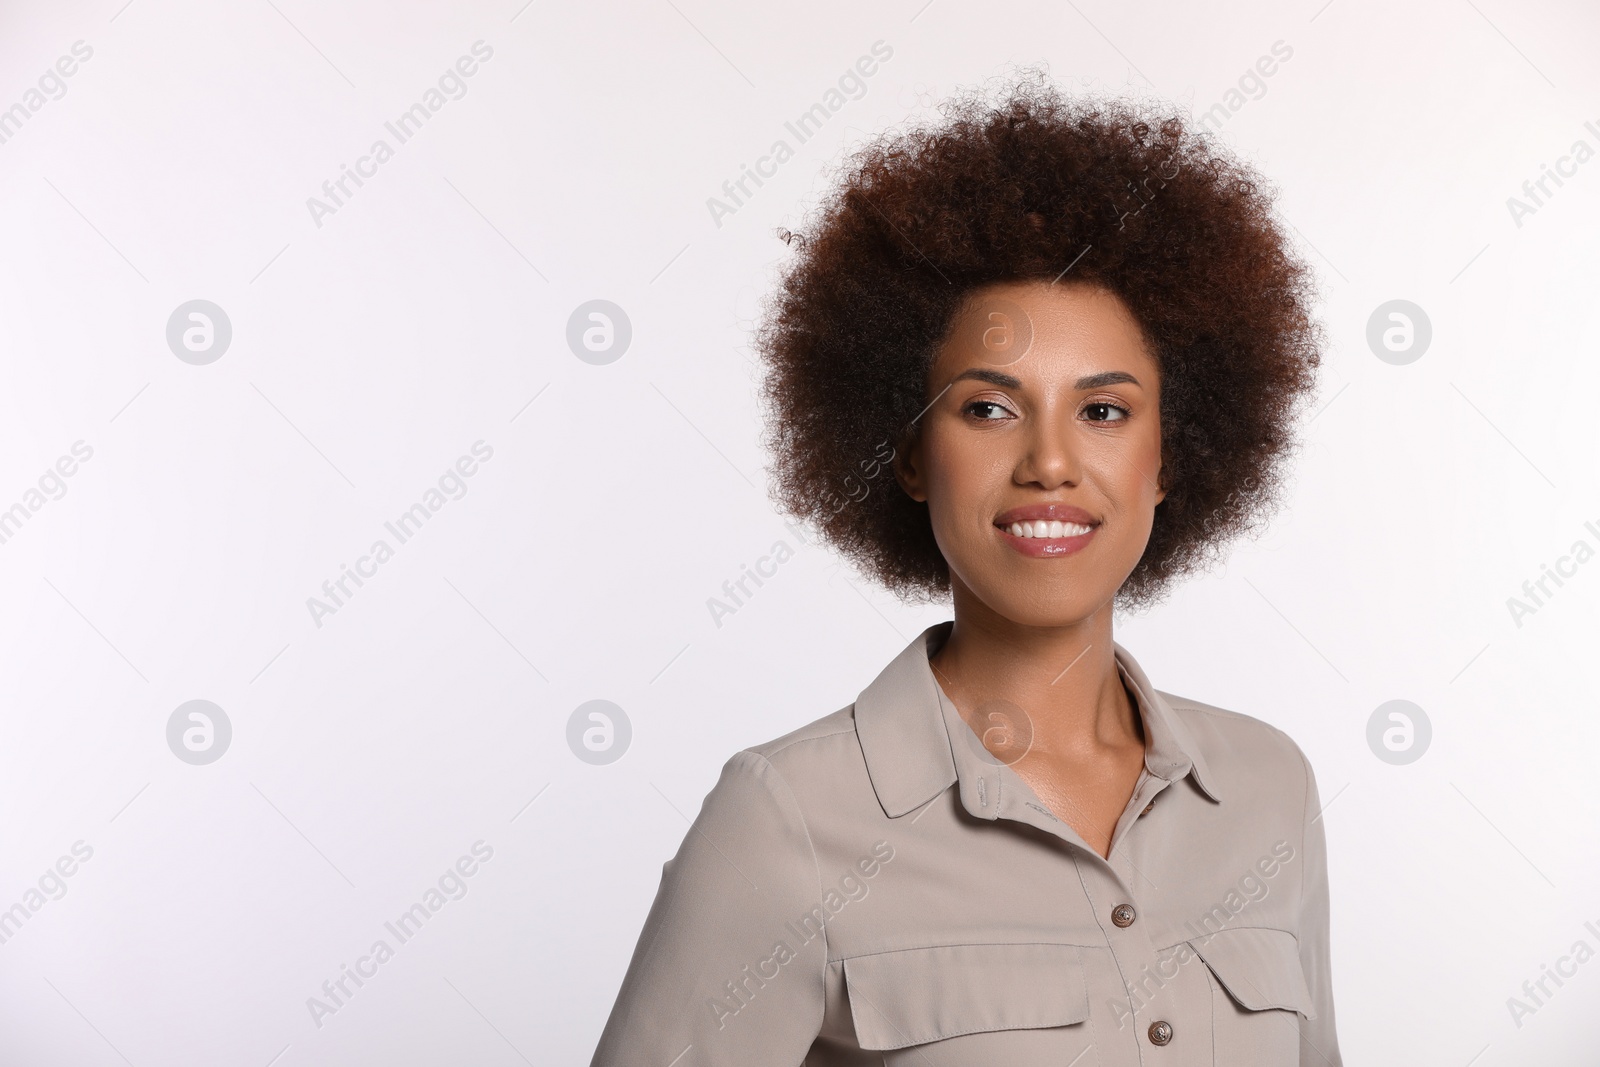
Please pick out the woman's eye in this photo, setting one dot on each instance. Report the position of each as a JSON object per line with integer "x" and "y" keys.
{"x": 1105, "y": 413}
{"x": 986, "y": 410}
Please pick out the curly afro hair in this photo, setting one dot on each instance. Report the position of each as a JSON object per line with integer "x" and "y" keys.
{"x": 1118, "y": 193}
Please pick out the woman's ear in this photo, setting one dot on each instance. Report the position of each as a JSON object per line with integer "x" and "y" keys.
{"x": 908, "y": 468}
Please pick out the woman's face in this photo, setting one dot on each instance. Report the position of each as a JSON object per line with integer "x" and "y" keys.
{"x": 1043, "y": 408}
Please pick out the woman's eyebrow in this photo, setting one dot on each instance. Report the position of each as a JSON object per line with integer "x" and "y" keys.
{"x": 1006, "y": 381}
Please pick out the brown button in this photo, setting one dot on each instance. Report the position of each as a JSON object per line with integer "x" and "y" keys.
{"x": 1147, "y": 808}
{"x": 1123, "y": 915}
{"x": 1160, "y": 1032}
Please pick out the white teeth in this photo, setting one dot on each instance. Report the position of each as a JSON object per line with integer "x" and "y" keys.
{"x": 1048, "y": 529}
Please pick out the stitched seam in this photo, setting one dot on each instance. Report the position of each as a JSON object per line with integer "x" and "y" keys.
{"x": 1216, "y": 992}
{"x": 1094, "y": 908}
{"x": 1217, "y": 980}
{"x": 815, "y": 866}
{"x": 1223, "y": 713}
{"x": 1227, "y": 930}
{"x": 1305, "y": 808}
{"x": 960, "y": 944}
{"x": 1094, "y": 1041}
{"x": 1094, "y": 1033}
{"x": 803, "y": 740}
{"x": 1220, "y": 989}
{"x": 1207, "y": 710}
{"x": 1088, "y": 1010}
{"x": 985, "y": 1030}
{"x": 1188, "y": 705}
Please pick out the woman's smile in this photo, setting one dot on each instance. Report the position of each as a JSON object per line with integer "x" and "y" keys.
{"x": 1046, "y": 531}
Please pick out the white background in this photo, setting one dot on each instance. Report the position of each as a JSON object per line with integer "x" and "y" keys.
{"x": 429, "y": 312}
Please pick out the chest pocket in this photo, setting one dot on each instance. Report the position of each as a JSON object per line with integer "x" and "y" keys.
{"x": 1260, "y": 968}
{"x": 970, "y": 1004}
{"x": 1262, "y": 988}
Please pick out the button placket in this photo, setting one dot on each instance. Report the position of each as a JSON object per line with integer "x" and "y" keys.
{"x": 1148, "y": 789}
{"x": 1163, "y": 990}
{"x": 1134, "y": 956}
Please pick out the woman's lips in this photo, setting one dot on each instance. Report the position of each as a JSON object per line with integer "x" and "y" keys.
{"x": 1046, "y": 530}
{"x": 1072, "y": 538}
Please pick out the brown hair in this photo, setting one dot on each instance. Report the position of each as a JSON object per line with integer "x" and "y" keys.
{"x": 1129, "y": 199}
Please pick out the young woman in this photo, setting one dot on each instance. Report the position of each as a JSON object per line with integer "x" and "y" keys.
{"x": 1078, "y": 339}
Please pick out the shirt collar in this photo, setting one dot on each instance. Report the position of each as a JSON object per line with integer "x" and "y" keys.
{"x": 906, "y": 733}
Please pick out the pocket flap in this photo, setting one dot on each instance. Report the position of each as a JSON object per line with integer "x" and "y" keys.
{"x": 1259, "y": 967}
{"x": 910, "y": 996}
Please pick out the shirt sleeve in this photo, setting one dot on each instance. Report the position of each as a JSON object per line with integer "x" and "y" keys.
{"x": 1319, "y": 1041}
{"x": 729, "y": 969}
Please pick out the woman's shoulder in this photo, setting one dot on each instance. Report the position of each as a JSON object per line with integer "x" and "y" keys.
{"x": 828, "y": 737}
{"x": 1243, "y": 749}
{"x": 817, "y": 769}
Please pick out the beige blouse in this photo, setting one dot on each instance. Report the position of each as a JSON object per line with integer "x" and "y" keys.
{"x": 837, "y": 902}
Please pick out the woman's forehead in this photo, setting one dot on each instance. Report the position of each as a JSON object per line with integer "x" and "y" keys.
{"x": 1037, "y": 330}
